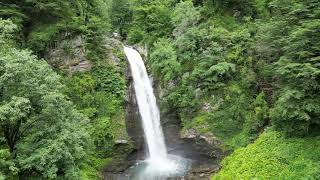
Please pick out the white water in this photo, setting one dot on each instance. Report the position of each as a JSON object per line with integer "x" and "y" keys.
{"x": 148, "y": 108}
{"x": 159, "y": 164}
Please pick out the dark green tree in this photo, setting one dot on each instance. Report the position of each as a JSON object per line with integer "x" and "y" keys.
{"x": 43, "y": 132}
{"x": 297, "y": 110}
{"x": 121, "y": 16}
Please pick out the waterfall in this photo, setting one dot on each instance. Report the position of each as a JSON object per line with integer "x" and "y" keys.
{"x": 159, "y": 164}
{"x": 148, "y": 108}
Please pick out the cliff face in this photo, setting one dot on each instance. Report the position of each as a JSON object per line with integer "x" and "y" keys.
{"x": 69, "y": 55}
{"x": 133, "y": 120}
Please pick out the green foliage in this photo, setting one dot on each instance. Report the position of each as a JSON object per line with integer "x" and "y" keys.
{"x": 7, "y": 166}
{"x": 257, "y": 119}
{"x": 243, "y": 7}
{"x": 57, "y": 8}
{"x": 182, "y": 98}
{"x": 272, "y": 156}
{"x": 121, "y": 15}
{"x": 109, "y": 79}
{"x": 61, "y": 147}
{"x": 230, "y": 67}
{"x": 150, "y": 18}
{"x": 42, "y": 130}
{"x": 189, "y": 45}
{"x": 92, "y": 167}
{"x": 296, "y": 110}
{"x": 217, "y": 74}
{"x": 59, "y": 142}
{"x": 243, "y": 67}
{"x": 7, "y": 28}
{"x": 262, "y": 8}
{"x": 136, "y": 34}
{"x": 13, "y": 13}
{"x": 164, "y": 61}
{"x": 100, "y": 95}
{"x": 103, "y": 134}
{"x": 42, "y": 35}
{"x": 80, "y": 89}
{"x": 185, "y": 16}
{"x": 49, "y": 22}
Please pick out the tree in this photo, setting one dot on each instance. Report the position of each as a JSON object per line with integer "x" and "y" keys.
{"x": 164, "y": 61}
{"x": 59, "y": 8}
{"x": 7, "y": 28}
{"x": 151, "y": 18}
{"x": 44, "y": 133}
{"x": 121, "y": 16}
{"x": 185, "y": 16}
{"x": 296, "y": 109}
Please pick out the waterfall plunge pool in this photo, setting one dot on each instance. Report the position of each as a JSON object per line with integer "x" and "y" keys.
{"x": 159, "y": 169}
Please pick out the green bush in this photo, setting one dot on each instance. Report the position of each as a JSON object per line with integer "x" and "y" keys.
{"x": 272, "y": 156}
{"x": 42, "y": 35}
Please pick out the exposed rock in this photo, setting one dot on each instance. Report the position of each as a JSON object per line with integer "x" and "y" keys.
{"x": 69, "y": 55}
{"x": 207, "y": 107}
{"x": 207, "y": 137}
{"x": 190, "y": 133}
{"x": 143, "y": 51}
{"x": 118, "y": 165}
{"x": 115, "y": 35}
{"x": 133, "y": 120}
{"x": 202, "y": 172}
{"x": 82, "y": 66}
{"x": 210, "y": 138}
{"x": 114, "y": 50}
{"x": 197, "y": 93}
{"x": 121, "y": 141}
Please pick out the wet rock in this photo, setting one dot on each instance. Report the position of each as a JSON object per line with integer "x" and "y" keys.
{"x": 189, "y": 134}
{"x": 133, "y": 120}
{"x": 143, "y": 51}
{"x": 210, "y": 139}
{"x": 202, "y": 172}
{"x": 121, "y": 141}
{"x": 203, "y": 145}
{"x": 118, "y": 165}
{"x": 207, "y": 137}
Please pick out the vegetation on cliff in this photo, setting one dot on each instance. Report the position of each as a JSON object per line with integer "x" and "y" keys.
{"x": 273, "y": 156}
{"x": 58, "y": 125}
{"x": 234, "y": 68}
{"x": 246, "y": 71}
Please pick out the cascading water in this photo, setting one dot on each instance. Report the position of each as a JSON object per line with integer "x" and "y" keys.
{"x": 148, "y": 109}
{"x": 159, "y": 163}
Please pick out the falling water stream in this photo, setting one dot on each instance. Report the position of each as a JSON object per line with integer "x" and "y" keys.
{"x": 159, "y": 164}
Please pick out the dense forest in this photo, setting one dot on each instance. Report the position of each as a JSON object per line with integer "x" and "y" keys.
{"x": 247, "y": 71}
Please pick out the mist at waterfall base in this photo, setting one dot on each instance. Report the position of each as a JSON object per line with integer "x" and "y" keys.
{"x": 159, "y": 164}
